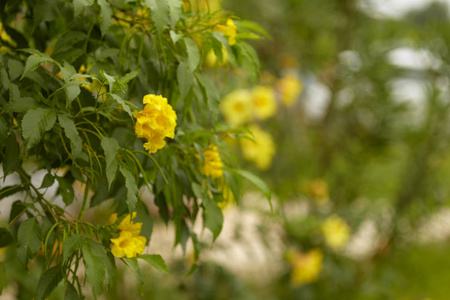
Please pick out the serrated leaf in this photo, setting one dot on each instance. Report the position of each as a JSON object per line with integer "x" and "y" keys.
{"x": 95, "y": 269}
{"x": 132, "y": 190}
{"x": 14, "y": 93}
{"x": 10, "y": 190}
{"x": 66, "y": 190}
{"x": 21, "y": 105}
{"x": 78, "y": 6}
{"x": 29, "y": 239}
{"x": 4, "y": 79}
{"x": 34, "y": 61}
{"x": 71, "y": 292}
{"x": 111, "y": 172}
{"x": 156, "y": 261}
{"x": 110, "y": 80}
{"x": 3, "y": 279}
{"x": 72, "y": 133}
{"x": 48, "y": 181}
{"x": 48, "y": 282}
{"x": 208, "y": 88}
{"x": 110, "y": 147}
{"x": 18, "y": 208}
{"x": 15, "y": 68}
{"x": 185, "y": 79}
{"x": 127, "y": 77}
{"x": 175, "y": 7}
{"x": 193, "y": 54}
{"x": 133, "y": 264}
{"x": 72, "y": 244}
{"x": 5, "y": 238}
{"x": 67, "y": 71}
{"x": 258, "y": 182}
{"x": 12, "y": 153}
{"x": 106, "y": 15}
{"x": 124, "y": 105}
{"x": 35, "y": 123}
{"x": 160, "y": 13}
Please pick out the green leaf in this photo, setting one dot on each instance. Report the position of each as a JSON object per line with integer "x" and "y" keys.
{"x": 258, "y": 182}
{"x": 78, "y": 6}
{"x": 127, "y": 77}
{"x": 66, "y": 190}
{"x": 3, "y": 279}
{"x": 72, "y": 133}
{"x": 132, "y": 189}
{"x": 160, "y": 13}
{"x": 72, "y": 244}
{"x": 208, "y": 89}
{"x": 175, "y": 11}
{"x": 185, "y": 79}
{"x": 14, "y": 93}
{"x": 71, "y": 292}
{"x": 133, "y": 264}
{"x": 33, "y": 62}
{"x": 29, "y": 239}
{"x": 48, "y": 282}
{"x": 48, "y": 181}
{"x": 35, "y": 123}
{"x": 12, "y": 153}
{"x": 5, "y": 238}
{"x": 249, "y": 60}
{"x": 193, "y": 54}
{"x": 18, "y": 208}
{"x": 4, "y": 128}
{"x": 111, "y": 80}
{"x": 110, "y": 147}
{"x": 106, "y": 15}
{"x": 4, "y": 79}
{"x": 124, "y": 105}
{"x": 10, "y": 190}
{"x": 18, "y": 104}
{"x": 212, "y": 214}
{"x": 15, "y": 68}
{"x": 156, "y": 261}
{"x": 95, "y": 268}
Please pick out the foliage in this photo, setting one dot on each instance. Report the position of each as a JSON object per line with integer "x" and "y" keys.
{"x": 75, "y": 75}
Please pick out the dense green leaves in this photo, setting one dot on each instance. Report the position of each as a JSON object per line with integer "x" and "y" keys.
{"x": 72, "y": 244}
{"x": 71, "y": 132}
{"x": 160, "y": 13}
{"x": 34, "y": 61}
{"x": 105, "y": 13}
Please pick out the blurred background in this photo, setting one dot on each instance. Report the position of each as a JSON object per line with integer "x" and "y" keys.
{"x": 353, "y": 140}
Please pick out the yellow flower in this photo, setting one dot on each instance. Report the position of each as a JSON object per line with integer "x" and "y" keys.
{"x": 290, "y": 88}
{"x": 261, "y": 150}
{"x": 227, "y": 195}
{"x": 113, "y": 218}
{"x": 336, "y": 232}
{"x": 229, "y": 30}
{"x": 213, "y": 165}
{"x": 155, "y": 122}
{"x": 306, "y": 267}
{"x": 264, "y": 104}
{"x": 128, "y": 225}
{"x": 5, "y": 36}
{"x": 237, "y": 107}
{"x": 212, "y": 60}
{"x": 128, "y": 245}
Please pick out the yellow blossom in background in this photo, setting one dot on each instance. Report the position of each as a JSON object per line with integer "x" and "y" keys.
{"x": 155, "y": 122}
{"x": 336, "y": 232}
{"x": 128, "y": 245}
{"x": 317, "y": 189}
{"x": 213, "y": 165}
{"x": 237, "y": 107}
{"x": 227, "y": 195}
{"x": 264, "y": 103}
{"x": 113, "y": 218}
{"x": 290, "y": 88}
{"x": 229, "y": 30}
{"x": 261, "y": 150}
{"x": 306, "y": 267}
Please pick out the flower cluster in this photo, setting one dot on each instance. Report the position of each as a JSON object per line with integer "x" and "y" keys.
{"x": 306, "y": 267}
{"x": 129, "y": 243}
{"x": 213, "y": 165}
{"x": 229, "y": 30}
{"x": 336, "y": 232}
{"x": 155, "y": 122}
{"x": 261, "y": 150}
